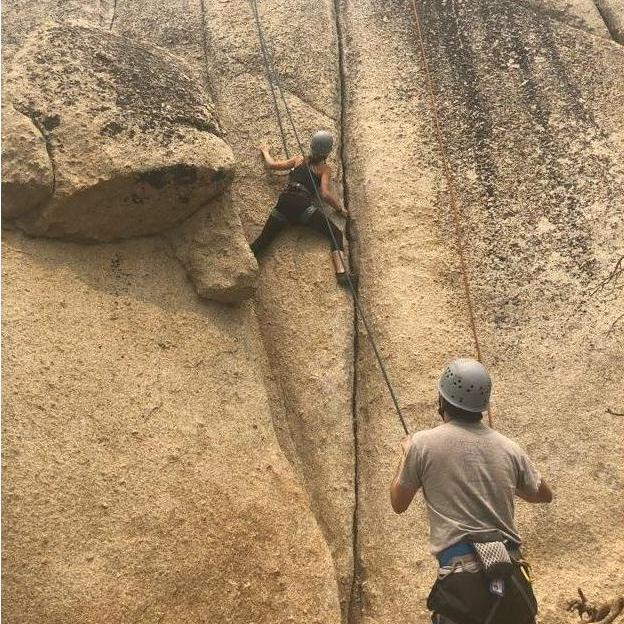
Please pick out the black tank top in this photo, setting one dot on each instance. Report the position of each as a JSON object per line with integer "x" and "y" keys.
{"x": 301, "y": 174}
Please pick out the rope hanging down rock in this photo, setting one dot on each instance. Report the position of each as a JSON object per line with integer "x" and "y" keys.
{"x": 273, "y": 76}
{"x": 456, "y": 210}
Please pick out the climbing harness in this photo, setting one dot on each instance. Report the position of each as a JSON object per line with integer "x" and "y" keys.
{"x": 273, "y": 76}
{"x": 463, "y": 593}
{"x": 304, "y": 218}
{"x": 456, "y": 209}
{"x": 307, "y": 214}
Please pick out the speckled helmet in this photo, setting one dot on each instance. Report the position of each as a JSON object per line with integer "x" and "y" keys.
{"x": 466, "y": 384}
{"x": 321, "y": 143}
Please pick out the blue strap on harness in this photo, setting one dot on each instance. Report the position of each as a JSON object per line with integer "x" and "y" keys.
{"x": 456, "y": 550}
{"x": 463, "y": 548}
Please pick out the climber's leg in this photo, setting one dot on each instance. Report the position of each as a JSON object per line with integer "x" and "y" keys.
{"x": 272, "y": 228}
{"x": 326, "y": 227}
{"x": 334, "y": 235}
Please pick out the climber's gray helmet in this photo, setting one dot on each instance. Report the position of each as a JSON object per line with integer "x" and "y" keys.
{"x": 321, "y": 143}
{"x": 466, "y": 384}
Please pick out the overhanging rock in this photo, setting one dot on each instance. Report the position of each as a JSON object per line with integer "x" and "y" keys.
{"x": 27, "y": 176}
{"x": 133, "y": 141}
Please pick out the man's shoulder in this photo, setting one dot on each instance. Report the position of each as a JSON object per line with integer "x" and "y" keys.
{"x": 503, "y": 440}
{"x": 434, "y": 433}
{"x": 450, "y": 431}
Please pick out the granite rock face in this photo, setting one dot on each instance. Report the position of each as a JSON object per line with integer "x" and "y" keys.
{"x": 232, "y": 461}
{"x": 27, "y": 175}
{"x": 132, "y": 140}
{"x": 530, "y": 113}
{"x": 143, "y": 480}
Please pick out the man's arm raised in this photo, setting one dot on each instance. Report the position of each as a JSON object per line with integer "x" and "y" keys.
{"x": 401, "y": 495}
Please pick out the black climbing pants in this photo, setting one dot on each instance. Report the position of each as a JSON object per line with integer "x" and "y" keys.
{"x": 291, "y": 207}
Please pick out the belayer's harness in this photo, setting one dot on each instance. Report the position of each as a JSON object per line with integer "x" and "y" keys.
{"x": 482, "y": 550}
{"x": 483, "y": 582}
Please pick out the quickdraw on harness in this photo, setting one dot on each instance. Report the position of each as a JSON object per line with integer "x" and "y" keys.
{"x": 483, "y": 580}
{"x": 274, "y": 82}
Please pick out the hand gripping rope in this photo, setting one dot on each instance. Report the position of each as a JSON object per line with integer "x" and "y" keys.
{"x": 274, "y": 81}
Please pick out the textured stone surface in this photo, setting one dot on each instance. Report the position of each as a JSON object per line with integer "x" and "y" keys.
{"x": 529, "y": 110}
{"x": 131, "y": 137}
{"x": 305, "y": 319}
{"x": 612, "y": 12}
{"x": 21, "y": 17}
{"x": 215, "y": 253}
{"x": 27, "y": 175}
{"x": 581, "y": 14}
{"x": 142, "y": 479}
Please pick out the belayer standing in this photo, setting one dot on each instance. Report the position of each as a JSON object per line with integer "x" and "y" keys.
{"x": 295, "y": 204}
{"x": 469, "y": 475}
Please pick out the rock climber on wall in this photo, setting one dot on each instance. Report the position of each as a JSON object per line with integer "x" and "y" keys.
{"x": 295, "y": 204}
{"x": 469, "y": 475}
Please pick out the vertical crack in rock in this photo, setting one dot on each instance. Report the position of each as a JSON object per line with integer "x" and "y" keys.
{"x": 48, "y": 145}
{"x": 616, "y": 34}
{"x": 353, "y": 611}
{"x": 205, "y": 49}
{"x": 113, "y": 16}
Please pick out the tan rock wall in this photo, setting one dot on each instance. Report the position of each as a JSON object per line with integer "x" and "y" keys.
{"x": 409, "y": 285}
{"x": 142, "y": 477}
{"x": 306, "y": 318}
{"x": 581, "y": 14}
{"x": 528, "y": 115}
{"x": 207, "y": 470}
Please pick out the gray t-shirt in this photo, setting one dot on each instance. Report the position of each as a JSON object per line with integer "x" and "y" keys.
{"x": 469, "y": 474}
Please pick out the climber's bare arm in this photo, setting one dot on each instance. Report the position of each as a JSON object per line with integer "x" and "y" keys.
{"x": 326, "y": 194}
{"x": 279, "y": 165}
{"x": 400, "y": 495}
{"x": 543, "y": 495}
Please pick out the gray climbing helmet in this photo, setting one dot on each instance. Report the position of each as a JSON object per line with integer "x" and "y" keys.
{"x": 466, "y": 384}
{"x": 321, "y": 143}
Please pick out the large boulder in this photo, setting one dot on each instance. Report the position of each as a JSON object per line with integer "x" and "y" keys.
{"x": 27, "y": 176}
{"x": 132, "y": 138}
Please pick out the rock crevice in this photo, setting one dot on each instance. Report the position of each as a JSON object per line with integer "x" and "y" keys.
{"x": 30, "y": 114}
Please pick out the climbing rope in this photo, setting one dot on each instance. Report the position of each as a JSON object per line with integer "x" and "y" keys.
{"x": 272, "y": 75}
{"x": 456, "y": 209}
